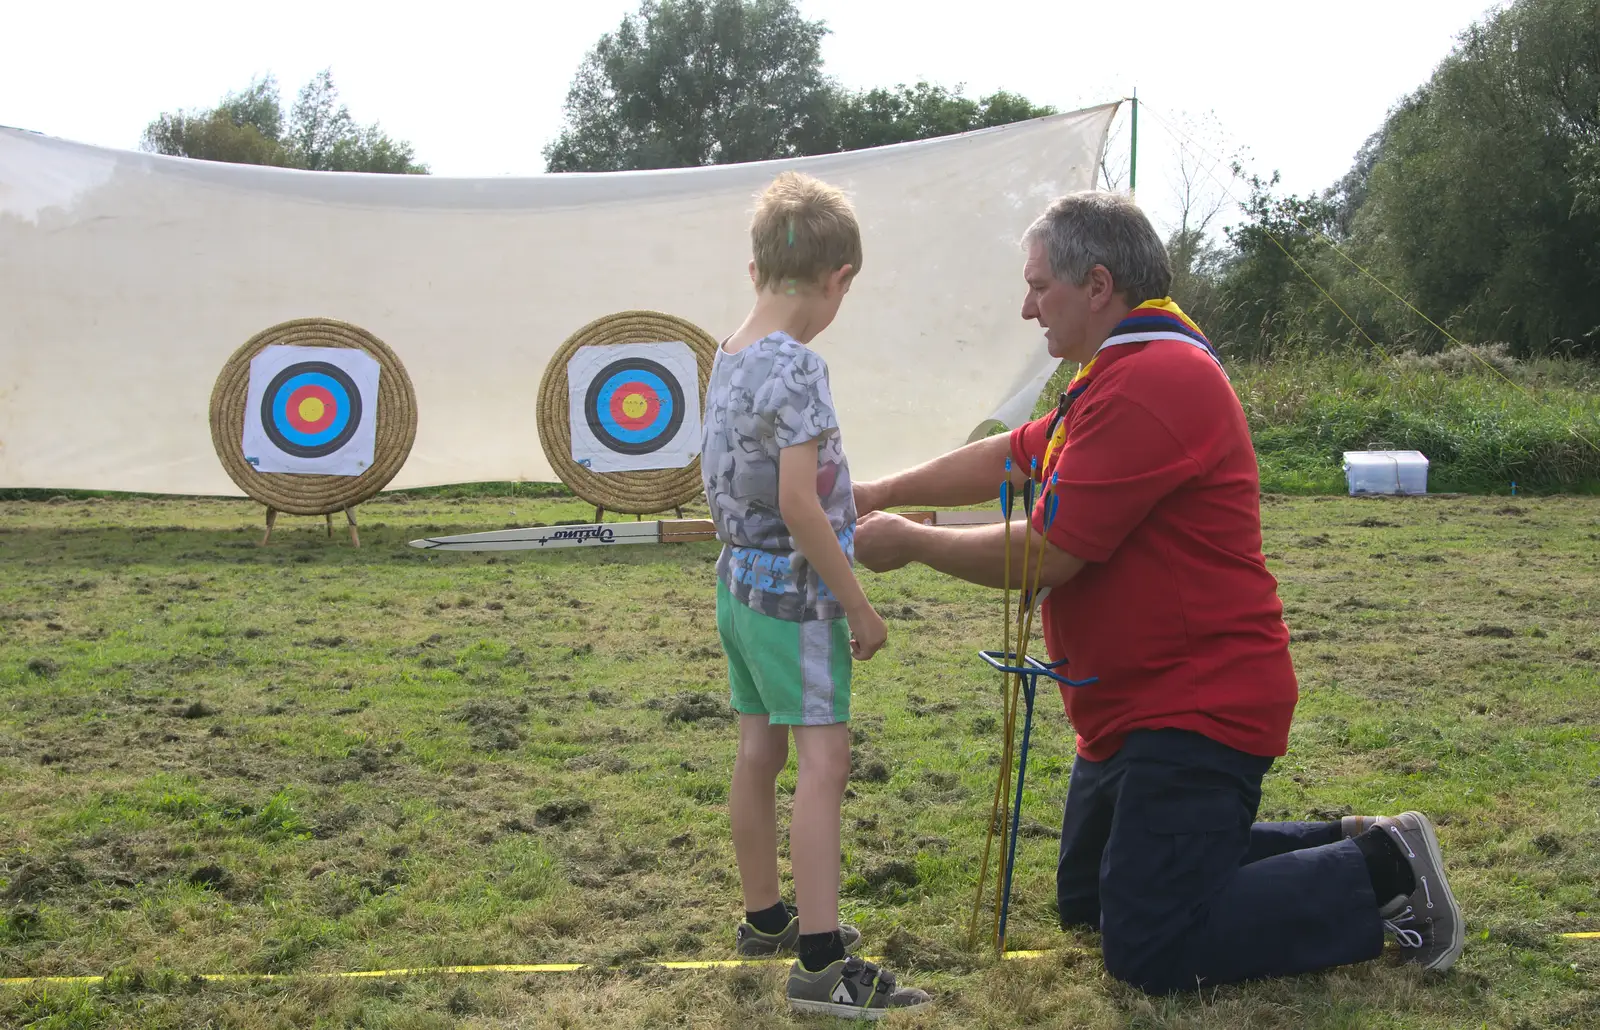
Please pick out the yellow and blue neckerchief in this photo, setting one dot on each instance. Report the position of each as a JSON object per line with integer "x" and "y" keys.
{"x": 1159, "y": 319}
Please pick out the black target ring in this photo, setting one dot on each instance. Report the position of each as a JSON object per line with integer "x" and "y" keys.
{"x": 608, "y": 379}
{"x": 314, "y": 445}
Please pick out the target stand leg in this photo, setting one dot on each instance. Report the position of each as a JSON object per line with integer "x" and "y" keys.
{"x": 272, "y": 518}
{"x": 350, "y": 514}
{"x": 329, "y": 517}
{"x": 599, "y": 514}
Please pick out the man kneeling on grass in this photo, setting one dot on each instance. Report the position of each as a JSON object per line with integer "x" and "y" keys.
{"x": 1158, "y": 588}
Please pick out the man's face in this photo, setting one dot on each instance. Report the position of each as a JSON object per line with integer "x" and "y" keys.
{"x": 1061, "y": 308}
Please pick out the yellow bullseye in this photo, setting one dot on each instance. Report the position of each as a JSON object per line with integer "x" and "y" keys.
{"x": 634, "y": 405}
{"x": 311, "y": 410}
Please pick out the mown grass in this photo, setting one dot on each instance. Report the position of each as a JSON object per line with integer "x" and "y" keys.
{"x": 217, "y": 757}
{"x": 1485, "y": 421}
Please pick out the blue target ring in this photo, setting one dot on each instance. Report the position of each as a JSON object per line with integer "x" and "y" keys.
{"x": 662, "y": 395}
{"x": 311, "y": 409}
{"x": 634, "y": 406}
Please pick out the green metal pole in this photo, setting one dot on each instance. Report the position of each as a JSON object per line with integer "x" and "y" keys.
{"x": 1133, "y": 150}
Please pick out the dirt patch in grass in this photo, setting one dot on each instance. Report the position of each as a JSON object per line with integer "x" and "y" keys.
{"x": 555, "y": 813}
{"x": 495, "y": 725}
{"x": 695, "y": 706}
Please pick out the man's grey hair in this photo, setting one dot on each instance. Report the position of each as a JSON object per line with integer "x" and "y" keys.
{"x": 1091, "y": 227}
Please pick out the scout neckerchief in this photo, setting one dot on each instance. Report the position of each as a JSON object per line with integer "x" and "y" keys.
{"x": 1159, "y": 319}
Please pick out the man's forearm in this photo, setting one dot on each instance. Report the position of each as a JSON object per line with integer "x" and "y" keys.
{"x": 977, "y": 554}
{"x": 968, "y": 475}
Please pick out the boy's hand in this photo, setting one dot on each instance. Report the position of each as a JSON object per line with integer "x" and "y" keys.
{"x": 867, "y": 633}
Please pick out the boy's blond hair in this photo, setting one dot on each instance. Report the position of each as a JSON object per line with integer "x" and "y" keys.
{"x": 803, "y": 230}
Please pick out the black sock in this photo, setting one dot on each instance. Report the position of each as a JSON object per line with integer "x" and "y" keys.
{"x": 769, "y": 920}
{"x": 1390, "y": 872}
{"x": 817, "y": 950}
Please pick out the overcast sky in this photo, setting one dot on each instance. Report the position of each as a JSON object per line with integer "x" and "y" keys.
{"x": 478, "y": 87}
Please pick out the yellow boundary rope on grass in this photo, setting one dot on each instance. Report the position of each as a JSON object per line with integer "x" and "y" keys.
{"x": 372, "y": 974}
{"x": 544, "y": 967}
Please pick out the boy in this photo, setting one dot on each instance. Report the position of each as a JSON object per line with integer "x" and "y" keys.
{"x": 789, "y": 610}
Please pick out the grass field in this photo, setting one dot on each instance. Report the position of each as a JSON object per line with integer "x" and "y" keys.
{"x": 219, "y": 758}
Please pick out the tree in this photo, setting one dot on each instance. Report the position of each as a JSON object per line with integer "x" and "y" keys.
{"x": 243, "y": 129}
{"x": 695, "y": 82}
{"x": 1261, "y": 299}
{"x": 1587, "y": 179}
{"x": 1115, "y": 160}
{"x": 879, "y": 117}
{"x": 1476, "y": 203}
{"x": 1480, "y": 199}
{"x": 1350, "y": 192}
{"x": 1199, "y": 197}
{"x": 249, "y": 127}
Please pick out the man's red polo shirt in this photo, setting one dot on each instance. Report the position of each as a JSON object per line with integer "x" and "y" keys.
{"x": 1176, "y": 612}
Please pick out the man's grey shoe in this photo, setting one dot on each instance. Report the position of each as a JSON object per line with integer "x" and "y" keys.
{"x": 752, "y": 943}
{"x": 852, "y": 988}
{"x": 1427, "y": 923}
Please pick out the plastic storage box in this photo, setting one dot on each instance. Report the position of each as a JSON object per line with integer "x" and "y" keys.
{"x": 1386, "y": 472}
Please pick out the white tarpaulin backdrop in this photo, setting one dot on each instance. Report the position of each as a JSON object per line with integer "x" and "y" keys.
{"x": 127, "y": 280}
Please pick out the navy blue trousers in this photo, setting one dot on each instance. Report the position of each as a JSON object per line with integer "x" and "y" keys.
{"x": 1161, "y": 853}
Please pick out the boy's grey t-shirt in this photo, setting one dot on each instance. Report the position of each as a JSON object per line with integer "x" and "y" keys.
{"x": 771, "y": 395}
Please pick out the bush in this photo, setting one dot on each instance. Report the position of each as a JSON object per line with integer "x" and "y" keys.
{"x": 1484, "y": 419}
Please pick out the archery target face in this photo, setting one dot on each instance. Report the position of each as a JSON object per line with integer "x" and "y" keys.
{"x": 634, "y": 407}
{"x": 311, "y": 410}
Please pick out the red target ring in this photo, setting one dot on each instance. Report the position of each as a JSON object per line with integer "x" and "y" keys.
{"x": 635, "y": 405}
{"x": 311, "y": 408}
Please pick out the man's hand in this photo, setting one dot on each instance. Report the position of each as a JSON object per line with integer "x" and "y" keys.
{"x": 869, "y": 497}
{"x": 867, "y": 633}
{"x": 883, "y": 541}
{"x": 976, "y": 554}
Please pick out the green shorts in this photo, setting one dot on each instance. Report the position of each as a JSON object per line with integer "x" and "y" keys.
{"x": 795, "y": 673}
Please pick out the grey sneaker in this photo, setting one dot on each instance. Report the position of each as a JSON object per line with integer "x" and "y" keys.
{"x": 1427, "y": 924}
{"x": 752, "y": 943}
{"x": 852, "y": 988}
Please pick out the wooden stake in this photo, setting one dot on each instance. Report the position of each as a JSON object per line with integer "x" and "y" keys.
{"x": 272, "y": 517}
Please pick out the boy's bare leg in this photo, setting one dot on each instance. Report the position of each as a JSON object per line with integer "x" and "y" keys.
{"x": 752, "y": 808}
{"x": 814, "y": 830}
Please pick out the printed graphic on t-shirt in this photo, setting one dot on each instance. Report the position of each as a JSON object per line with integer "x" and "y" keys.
{"x": 771, "y": 395}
